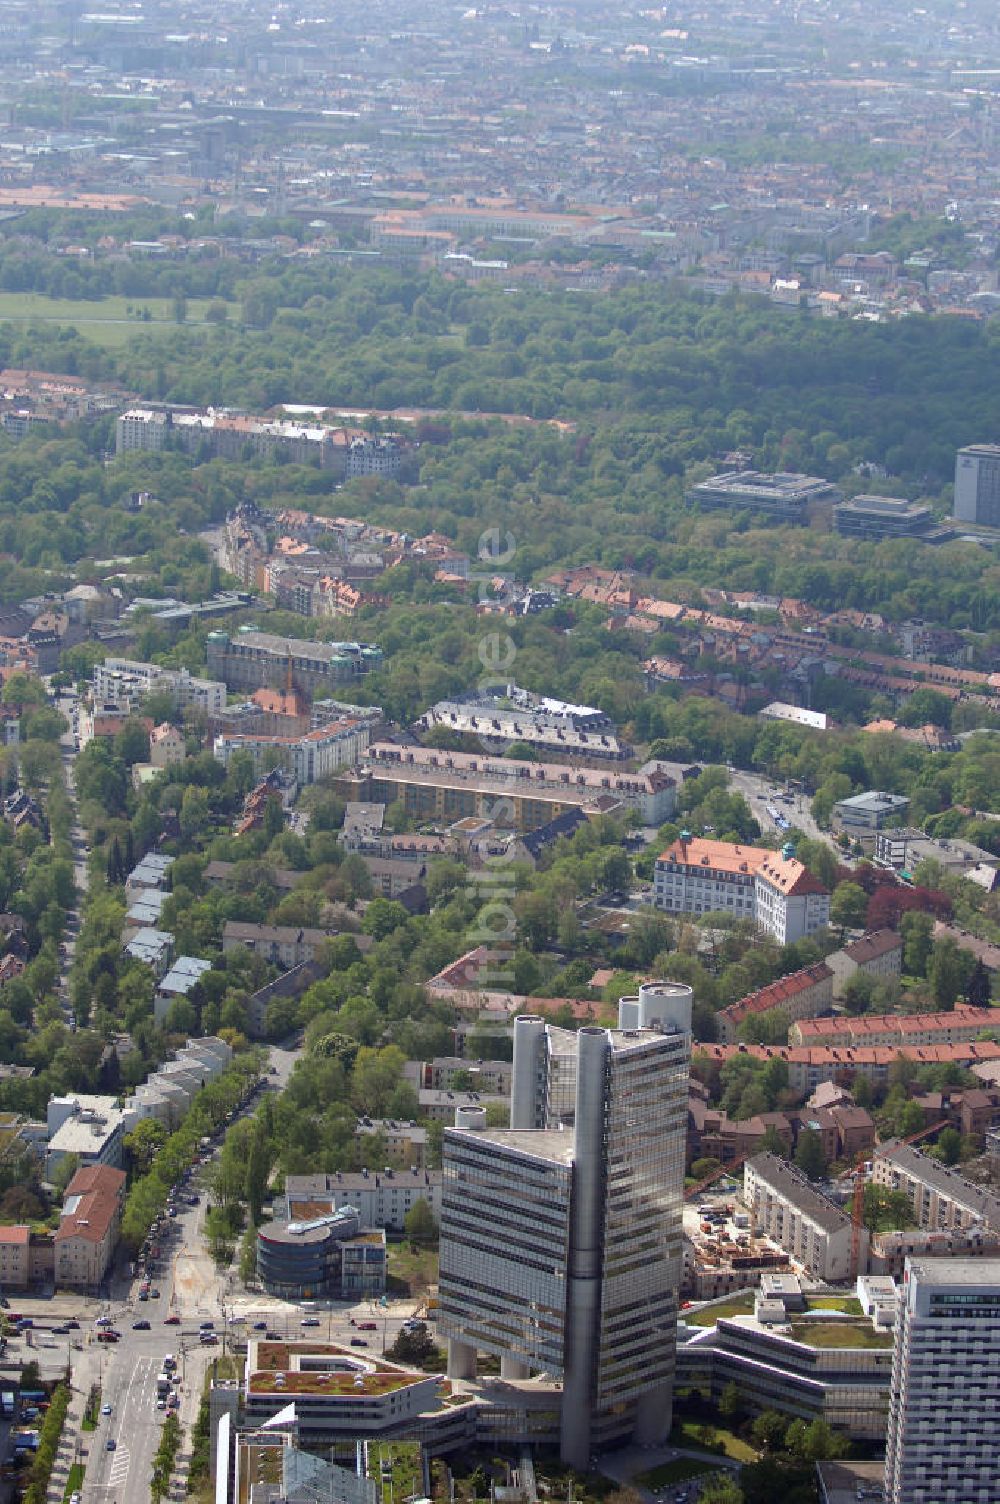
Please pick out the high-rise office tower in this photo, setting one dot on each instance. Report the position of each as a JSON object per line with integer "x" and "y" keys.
{"x": 561, "y": 1236}
{"x": 942, "y": 1439}
{"x": 977, "y": 484}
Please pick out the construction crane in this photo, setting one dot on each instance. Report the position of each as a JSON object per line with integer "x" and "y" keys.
{"x": 719, "y": 1174}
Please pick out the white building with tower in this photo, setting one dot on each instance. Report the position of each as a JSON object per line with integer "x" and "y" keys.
{"x": 561, "y": 1236}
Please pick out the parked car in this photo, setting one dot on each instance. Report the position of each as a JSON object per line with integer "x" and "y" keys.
{"x": 260, "y": 1326}
{"x": 141, "y": 1326}
{"x": 358, "y": 1342}
{"x": 309, "y": 1321}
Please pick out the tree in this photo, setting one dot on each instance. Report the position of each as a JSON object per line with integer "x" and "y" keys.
{"x": 720, "y": 1490}
{"x": 949, "y": 1146}
{"x": 978, "y": 992}
{"x": 768, "y": 1430}
{"x": 947, "y": 972}
{"x": 419, "y": 1224}
{"x": 731, "y": 1403}
{"x": 886, "y": 1210}
{"x": 916, "y": 930}
{"x": 809, "y": 1154}
{"x": 848, "y": 906}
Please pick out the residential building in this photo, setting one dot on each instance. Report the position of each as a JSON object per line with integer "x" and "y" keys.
{"x": 561, "y": 1237}
{"x": 977, "y": 485}
{"x": 282, "y": 944}
{"x": 881, "y": 517}
{"x": 440, "y": 1106}
{"x": 785, "y": 1207}
{"x": 554, "y": 728}
{"x": 141, "y": 428}
{"x": 898, "y": 1030}
{"x": 250, "y": 660}
{"x": 15, "y": 1260}
{"x": 786, "y": 497}
{"x": 809, "y": 1066}
{"x": 328, "y": 1255}
{"x": 125, "y": 682}
{"x": 396, "y": 1145}
{"x": 89, "y": 1225}
{"x": 878, "y": 955}
{"x": 863, "y": 814}
{"x": 149, "y": 873}
{"x": 441, "y": 1073}
{"x": 381, "y": 1199}
{"x": 942, "y": 1199}
{"x": 449, "y": 786}
{"x": 166, "y": 746}
{"x": 941, "y": 1441}
{"x": 153, "y": 947}
{"x": 89, "y": 1127}
{"x": 184, "y": 974}
{"x": 803, "y": 994}
{"x": 308, "y": 758}
{"x": 697, "y": 875}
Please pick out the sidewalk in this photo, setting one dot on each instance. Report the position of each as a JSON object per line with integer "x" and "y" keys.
{"x": 74, "y": 1442}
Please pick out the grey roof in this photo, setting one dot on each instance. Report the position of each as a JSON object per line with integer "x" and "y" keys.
{"x": 792, "y": 1186}
{"x": 938, "y": 1177}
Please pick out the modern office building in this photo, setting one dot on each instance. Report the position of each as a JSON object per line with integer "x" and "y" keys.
{"x": 863, "y": 814}
{"x": 941, "y": 1444}
{"x": 330, "y": 1254}
{"x": 977, "y": 484}
{"x": 785, "y": 497}
{"x": 250, "y": 660}
{"x": 561, "y": 1237}
{"x": 881, "y": 517}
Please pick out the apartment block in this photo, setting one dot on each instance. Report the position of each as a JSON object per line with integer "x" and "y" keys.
{"x": 941, "y": 1198}
{"x": 878, "y": 955}
{"x": 382, "y": 1198}
{"x": 125, "y": 682}
{"x": 282, "y": 944}
{"x": 802, "y": 995}
{"x": 898, "y": 1030}
{"x": 141, "y": 428}
{"x": 785, "y": 1208}
{"x": 308, "y": 758}
{"x": 941, "y": 1441}
{"x": 450, "y": 786}
{"x": 87, "y": 1235}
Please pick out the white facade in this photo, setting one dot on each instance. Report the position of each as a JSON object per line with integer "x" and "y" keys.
{"x": 776, "y": 892}
{"x": 308, "y": 758}
{"x": 126, "y": 681}
{"x": 784, "y": 1207}
{"x": 141, "y": 428}
{"x": 941, "y": 1444}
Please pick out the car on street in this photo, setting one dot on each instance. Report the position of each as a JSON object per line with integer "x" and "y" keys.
{"x": 260, "y": 1326}
{"x": 209, "y": 1339}
{"x": 73, "y": 1326}
{"x": 171, "y": 1321}
{"x": 143, "y": 1294}
{"x": 161, "y": 1404}
{"x": 111, "y": 1445}
{"x": 105, "y": 1409}
{"x": 140, "y": 1326}
{"x": 358, "y": 1342}
{"x": 103, "y": 1321}
{"x": 309, "y": 1321}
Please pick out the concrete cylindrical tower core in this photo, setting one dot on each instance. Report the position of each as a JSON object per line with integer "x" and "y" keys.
{"x": 665, "y": 1005}
{"x": 527, "y": 1077}
{"x": 470, "y": 1117}
{"x": 583, "y": 1295}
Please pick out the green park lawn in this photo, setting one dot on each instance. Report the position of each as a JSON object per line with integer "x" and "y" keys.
{"x": 111, "y": 321}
